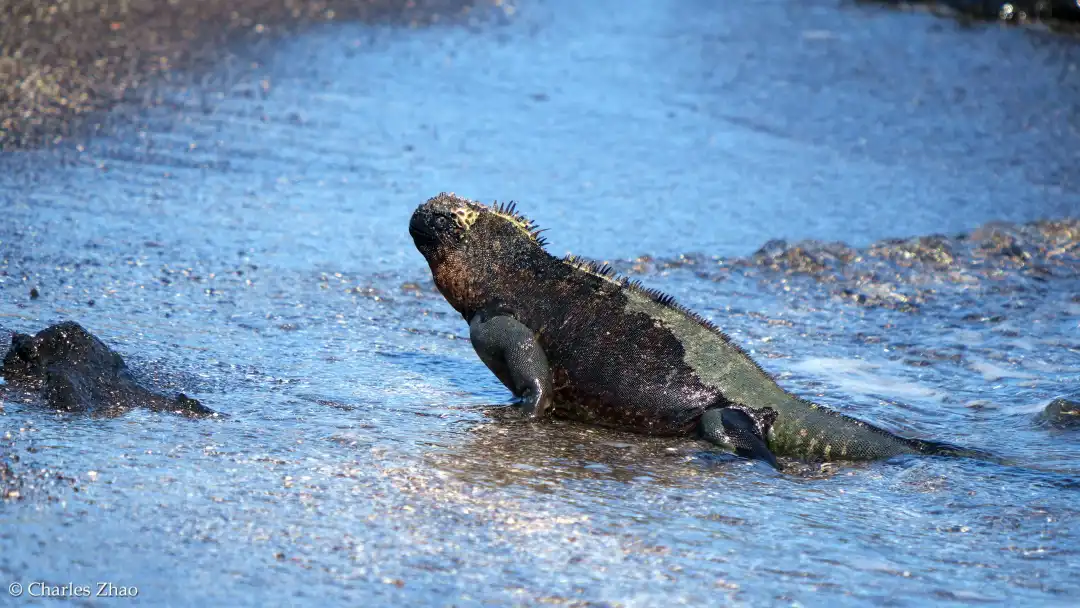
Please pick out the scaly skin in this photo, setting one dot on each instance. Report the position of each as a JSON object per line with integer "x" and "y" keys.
{"x": 573, "y": 339}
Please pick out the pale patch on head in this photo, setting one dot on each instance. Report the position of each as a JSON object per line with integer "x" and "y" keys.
{"x": 468, "y": 212}
{"x": 465, "y": 216}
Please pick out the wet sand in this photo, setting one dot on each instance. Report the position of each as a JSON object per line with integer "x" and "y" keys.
{"x": 67, "y": 59}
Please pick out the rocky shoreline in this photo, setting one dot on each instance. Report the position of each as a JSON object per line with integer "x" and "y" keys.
{"x": 903, "y": 274}
{"x": 1062, "y": 15}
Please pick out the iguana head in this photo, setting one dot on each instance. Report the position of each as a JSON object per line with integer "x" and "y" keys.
{"x": 470, "y": 247}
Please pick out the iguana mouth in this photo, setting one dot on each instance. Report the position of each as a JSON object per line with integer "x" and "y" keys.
{"x": 420, "y": 233}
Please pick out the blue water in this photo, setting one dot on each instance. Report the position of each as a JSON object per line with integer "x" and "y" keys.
{"x": 245, "y": 242}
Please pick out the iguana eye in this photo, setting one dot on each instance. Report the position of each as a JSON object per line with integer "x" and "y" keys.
{"x": 440, "y": 222}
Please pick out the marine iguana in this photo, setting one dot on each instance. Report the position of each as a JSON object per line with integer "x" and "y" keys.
{"x": 74, "y": 371}
{"x": 573, "y": 340}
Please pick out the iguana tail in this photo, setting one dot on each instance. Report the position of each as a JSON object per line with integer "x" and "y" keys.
{"x": 811, "y": 432}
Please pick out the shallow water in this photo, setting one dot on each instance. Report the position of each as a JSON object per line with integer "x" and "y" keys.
{"x": 246, "y": 243}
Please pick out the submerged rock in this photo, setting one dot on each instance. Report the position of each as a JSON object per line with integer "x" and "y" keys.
{"x": 76, "y": 372}
{"x": 1061, "y": 413}
{"x": 907, "y": 274}
{"x": 9, "y": 488}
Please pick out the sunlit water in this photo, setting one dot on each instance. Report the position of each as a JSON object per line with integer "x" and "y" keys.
{"x": 246, "y": 243}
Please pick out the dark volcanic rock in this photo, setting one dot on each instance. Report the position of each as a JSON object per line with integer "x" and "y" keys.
{"x": 1056, "y": 13}
{"x": 76, "y": 372}
{"x": 1061, "y": 413}
{"x": 9, "y": 488}
{"x": 907, "y": 274}
{"x": 808, "y": 257}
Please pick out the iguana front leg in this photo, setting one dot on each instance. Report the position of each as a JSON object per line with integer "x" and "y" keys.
{"x": 740, "y": 429}
{"x": 511, "y": 352}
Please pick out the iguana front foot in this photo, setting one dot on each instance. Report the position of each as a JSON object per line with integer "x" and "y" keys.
{"x": 511, "y": 352}
{"x": 741, "y": 430}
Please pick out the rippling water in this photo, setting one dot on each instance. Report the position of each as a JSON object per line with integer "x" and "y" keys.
{"x": 246, "y": 242}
